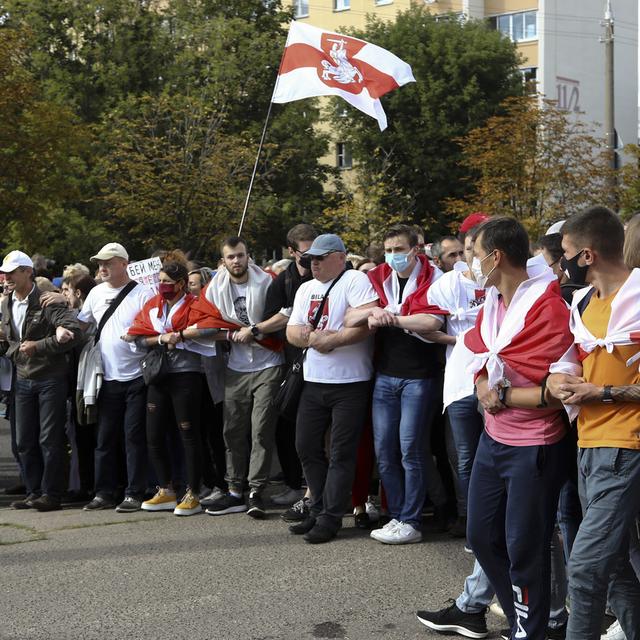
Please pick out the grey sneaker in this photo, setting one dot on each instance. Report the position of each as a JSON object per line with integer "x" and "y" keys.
{"x": 99, "y": 503}
{"x": 129, "y": 505}
{"x": 298, "y": 512}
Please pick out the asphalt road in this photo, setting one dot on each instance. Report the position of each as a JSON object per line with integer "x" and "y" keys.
{"x": 72, "y": 574}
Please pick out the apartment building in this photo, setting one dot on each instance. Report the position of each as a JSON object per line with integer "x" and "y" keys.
{"x": 559, "y": 41}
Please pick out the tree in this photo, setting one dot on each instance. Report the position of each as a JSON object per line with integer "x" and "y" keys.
{"x": 43, "y": 148}
{"x": 536, "y": 163}
{"x": 172, "y": 177}
{"x": 105, "y": 60}
{"x": 630, "y": 182}
{"x": 463, "y": 72}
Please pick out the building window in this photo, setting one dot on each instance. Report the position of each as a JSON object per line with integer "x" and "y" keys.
{"x": 382, "y": 2}
{"x": 341, "y": 5}
{"x": 343, "y": 156}
{"x": 530, "y": 79}
{"x": 519, "y": 27}
{"x": 301, "y": 8}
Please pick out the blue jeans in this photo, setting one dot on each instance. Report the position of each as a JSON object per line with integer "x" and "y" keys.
{"x": 466, "y": 427}
{"x": 121, "y": 415}
{"x": 513, "y": 498}
{"x": 41, "y": 413}
{"x": 402, "y": 411}
{"x": 599, "y": 562}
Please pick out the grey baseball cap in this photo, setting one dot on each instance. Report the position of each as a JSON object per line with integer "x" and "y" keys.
{"x": 325, "y": 243}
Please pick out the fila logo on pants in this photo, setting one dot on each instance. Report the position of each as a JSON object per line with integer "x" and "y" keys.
{"x": 521, "y": 604}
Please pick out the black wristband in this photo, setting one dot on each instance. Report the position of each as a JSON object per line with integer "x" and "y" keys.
{"x": 181, "y": 335}
{"x": 543, "y": 390}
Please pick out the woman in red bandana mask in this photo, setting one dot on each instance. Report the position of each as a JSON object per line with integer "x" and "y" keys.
{"x": 160, "y": 324}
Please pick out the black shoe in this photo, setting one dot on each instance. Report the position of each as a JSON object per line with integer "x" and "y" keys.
{"x": 16, "y": 490}
{"x": 362, "y": 520}
{"x": 129, "y": 505}
{"x": 319, "y": 534}
{"x": 505, "y": 634}
{"x": 383, "y": 520}
{"x": 47, "y": 503}
{"x": 459, "y": 528}
{"x": 298, "y": 512}
{"x": 452, "y": 619}
{"x": 27, "y": 503}
{"x": 303, "y": 527}
{"x": 256, "y": 505}
{"x": 559, "y": 633}
{"x": 227, "y": 504}
{"x": 99, "y": 503}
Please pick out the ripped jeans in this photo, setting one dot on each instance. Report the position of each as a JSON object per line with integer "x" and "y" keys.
{"x": 177, "y": 396}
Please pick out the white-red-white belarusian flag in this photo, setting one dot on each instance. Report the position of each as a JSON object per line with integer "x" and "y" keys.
{"x": 321, "y": 63}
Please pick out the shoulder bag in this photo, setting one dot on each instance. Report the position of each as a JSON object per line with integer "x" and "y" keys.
{"x": 287, "y": 398}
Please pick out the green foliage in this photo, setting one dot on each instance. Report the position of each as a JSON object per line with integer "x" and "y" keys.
{"x": 163, "y": 104}
{"x": 534, "y": 162}
{"x": 43, "y": 152}
{"x": 630, "y": 182}
{"x": 463, "y": 72}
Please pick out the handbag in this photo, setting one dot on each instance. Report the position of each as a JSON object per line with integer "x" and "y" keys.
{"x": 155, "y": 365}
{"x": 287, "y": 398}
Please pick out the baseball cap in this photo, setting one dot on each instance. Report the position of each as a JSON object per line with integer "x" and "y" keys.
{"x": 111, "y": 250}
{"x": 556, "y": 227}
{"x": 473, "y": 220}
{"x": 326, "y": 243}
{"x": 15, "y": 259}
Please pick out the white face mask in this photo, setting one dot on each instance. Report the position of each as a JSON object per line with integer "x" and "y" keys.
{"x": 476, "y": 268}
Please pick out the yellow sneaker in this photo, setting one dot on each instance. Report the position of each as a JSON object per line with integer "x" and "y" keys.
{"x": 188, "y": 505}
{"x": 164, "y": 500}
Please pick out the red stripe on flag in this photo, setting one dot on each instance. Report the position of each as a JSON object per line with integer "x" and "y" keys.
{"x": 298, "y": 55}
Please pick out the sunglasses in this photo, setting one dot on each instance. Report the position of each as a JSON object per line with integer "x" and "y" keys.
{"x": 321, "y": 258}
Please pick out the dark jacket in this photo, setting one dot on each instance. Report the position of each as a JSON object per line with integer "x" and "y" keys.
{"x": 281, "y": 294}
{"x": 50, "y": 359}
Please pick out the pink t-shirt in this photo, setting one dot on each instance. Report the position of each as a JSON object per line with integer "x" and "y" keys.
{"x": 524, "y": 427}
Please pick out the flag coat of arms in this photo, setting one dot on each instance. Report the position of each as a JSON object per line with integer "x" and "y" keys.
{"x": 322, "y": 63}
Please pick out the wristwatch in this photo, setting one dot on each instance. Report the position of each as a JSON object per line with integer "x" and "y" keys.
{"x": 606, "y": 394}
{"x": 502, "y": 395}
{"x": 255, "y": 332}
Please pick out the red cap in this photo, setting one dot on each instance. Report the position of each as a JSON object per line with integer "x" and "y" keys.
{"x": 473, "y": 220}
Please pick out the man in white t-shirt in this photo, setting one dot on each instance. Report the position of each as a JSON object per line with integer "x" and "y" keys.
{"x": 458, "y": 292}
{"x": 254, "y": 373}
{"x": 337, "y": 392}
{"x": 123, "y": 395}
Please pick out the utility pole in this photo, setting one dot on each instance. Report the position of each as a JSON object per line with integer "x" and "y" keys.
{"x": 609, "y": 95}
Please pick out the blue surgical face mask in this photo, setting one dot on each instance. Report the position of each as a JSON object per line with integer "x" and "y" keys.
{"x": 398, "y": 261}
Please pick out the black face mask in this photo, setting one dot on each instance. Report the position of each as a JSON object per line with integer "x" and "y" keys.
{"x": 575, "y": 273}
{"x": 305, "y": 262}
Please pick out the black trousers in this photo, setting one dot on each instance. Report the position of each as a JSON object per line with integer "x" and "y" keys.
{"x": 214, "y": 461}
{"x": 342, "y": 410}
{"x": 182, "y": 393}
{"x": 287, "y": 454}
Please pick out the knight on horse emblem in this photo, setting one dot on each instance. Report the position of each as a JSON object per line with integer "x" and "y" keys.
{"x": 343, "y": 71}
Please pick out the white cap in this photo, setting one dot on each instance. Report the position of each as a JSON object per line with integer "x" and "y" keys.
{"x": 556, "y": 227}
{"x": 111, "y": 250}
{"x": 14, "y": 260}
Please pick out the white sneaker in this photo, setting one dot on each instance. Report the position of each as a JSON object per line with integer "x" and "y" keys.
{"x": 287, "y": 497}
{"x": 372, "y": 510}
{"x": 614, "y": 632}
{"x": 405, "y": 533}
{"x": 378, "y": 534}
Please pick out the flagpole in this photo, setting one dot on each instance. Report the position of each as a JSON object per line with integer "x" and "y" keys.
{"x": 264, "y": 133}
{"x": 255, "y": 166}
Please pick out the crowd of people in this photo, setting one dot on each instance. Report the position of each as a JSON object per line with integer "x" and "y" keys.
{"x": 488, "y": 379}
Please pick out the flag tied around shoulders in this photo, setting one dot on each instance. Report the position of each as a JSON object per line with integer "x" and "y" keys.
{"x": 321, "y": 63}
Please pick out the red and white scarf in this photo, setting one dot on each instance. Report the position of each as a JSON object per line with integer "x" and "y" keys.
{"x": 534, "y": 331}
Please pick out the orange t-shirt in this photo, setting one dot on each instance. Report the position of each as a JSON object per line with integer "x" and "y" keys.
{"x": 614, "y": 424}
